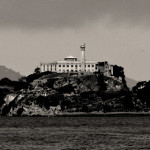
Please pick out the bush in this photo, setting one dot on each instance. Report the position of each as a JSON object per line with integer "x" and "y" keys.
{"x": 6, "y": 110}
{"x": 35, "y": 76}
{"x": 5, "y": 81}
{"x": 20, "y": 85}
{"x": 66, "y": 89}
{"x": 19, "y": 111}
{"x": 3, "y": 93}
{"x": 52, "y": 100}
{"x": 89, "y": 95}
{"x": 50, "y": 83}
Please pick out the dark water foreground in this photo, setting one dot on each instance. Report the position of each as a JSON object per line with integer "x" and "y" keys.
{"x": 74, "y": 133}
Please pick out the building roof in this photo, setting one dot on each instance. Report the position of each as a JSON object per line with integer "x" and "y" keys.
{"x": 66, "y": 61}
{"x": 70, "y": 57}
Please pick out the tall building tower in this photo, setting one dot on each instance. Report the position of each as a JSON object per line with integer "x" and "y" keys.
{"x": 82, "y": 47}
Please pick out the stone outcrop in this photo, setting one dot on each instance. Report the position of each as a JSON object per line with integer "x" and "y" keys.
{"x": 57, "y": 93}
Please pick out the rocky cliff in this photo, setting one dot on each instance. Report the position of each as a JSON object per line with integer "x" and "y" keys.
{"x": 52, "y": 93}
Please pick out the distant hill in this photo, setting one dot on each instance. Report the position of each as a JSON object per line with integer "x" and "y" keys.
{"x": 131, "y": 83}
{"x": 9, "y": 73}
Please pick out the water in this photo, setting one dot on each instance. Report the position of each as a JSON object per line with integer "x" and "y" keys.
{"x": 74, "y": 133}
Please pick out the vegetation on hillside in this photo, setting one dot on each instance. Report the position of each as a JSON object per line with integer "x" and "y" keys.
{"x": 142, "y": 95}
{"x": 42, "y": 93}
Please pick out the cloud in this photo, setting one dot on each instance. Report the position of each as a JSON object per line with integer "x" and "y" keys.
{"x": 72, "y": 13}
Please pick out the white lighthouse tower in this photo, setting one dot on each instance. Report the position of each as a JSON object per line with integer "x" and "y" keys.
{"x": 82, "y": 47}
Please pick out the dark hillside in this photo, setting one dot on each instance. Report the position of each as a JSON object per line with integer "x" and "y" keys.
{"x": 48, "y": 93}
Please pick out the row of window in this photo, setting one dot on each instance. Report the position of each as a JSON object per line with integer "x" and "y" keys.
{"x": 76, "y": 66}
{"x": 73, "y": 70}
{"x": 68, "y": 66}
{"x": 50, "y": 69}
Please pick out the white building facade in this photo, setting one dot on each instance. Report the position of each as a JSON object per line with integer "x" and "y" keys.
{"x": 71, "y": 64}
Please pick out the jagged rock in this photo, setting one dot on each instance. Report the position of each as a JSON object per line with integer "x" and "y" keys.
{"x": 51, "y": 94}
{"x": 9, "y": 98}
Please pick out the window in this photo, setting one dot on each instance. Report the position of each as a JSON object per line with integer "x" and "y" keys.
{"x": 88, "y": 65}
{"x": 92, "y": 65}
{"x": 76, "y": 65}
{"x": 59, "y": 65}
{"x": 63, "y": 65}
{"x": 67, "y": 65}
{"x": 71, "y": 65}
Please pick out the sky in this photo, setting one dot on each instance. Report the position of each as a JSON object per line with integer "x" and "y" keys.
{"x": 117, "y": 31}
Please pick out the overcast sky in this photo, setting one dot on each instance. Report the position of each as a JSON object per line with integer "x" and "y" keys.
{"x": 34, "y": 31}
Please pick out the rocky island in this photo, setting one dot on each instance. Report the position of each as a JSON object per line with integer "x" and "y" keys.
{"x": 50, "y": 93}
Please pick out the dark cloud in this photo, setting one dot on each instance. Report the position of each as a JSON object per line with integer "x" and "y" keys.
{"x": 72, "y": 13}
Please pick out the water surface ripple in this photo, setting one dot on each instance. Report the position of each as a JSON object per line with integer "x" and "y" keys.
{"x": 74, "y": 133}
